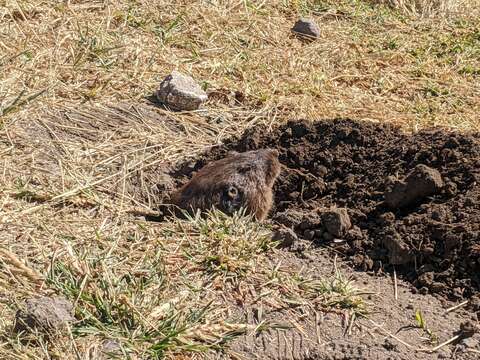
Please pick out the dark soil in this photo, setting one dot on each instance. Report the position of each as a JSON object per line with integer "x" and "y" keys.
{"x": 380, "y": 197}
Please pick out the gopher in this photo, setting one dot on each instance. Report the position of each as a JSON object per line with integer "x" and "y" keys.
{"x": 240, "y": 180}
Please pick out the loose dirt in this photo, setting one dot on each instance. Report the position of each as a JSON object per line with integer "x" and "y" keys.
{"x": 378, "y": 196}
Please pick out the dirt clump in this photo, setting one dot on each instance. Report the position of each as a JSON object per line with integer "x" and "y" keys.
{"x": 46, "y": 314}
{"x": 336, "y": 221}
{"x": 423, "y": 181}
{"x": 286, "y": 237}
{"x": 428, "y": 222}
{"x": 240, "y": 180}
{"x": 398, "y": 251}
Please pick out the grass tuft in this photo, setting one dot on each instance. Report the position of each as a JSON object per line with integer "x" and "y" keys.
{"x": 227, "y": 245}
{"x": 338, "y": 292}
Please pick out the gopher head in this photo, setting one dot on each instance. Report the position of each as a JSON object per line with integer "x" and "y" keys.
{"x": 240, "y": 180}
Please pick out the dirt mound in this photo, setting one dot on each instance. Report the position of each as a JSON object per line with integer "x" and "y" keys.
{"x": 379, "y": 196}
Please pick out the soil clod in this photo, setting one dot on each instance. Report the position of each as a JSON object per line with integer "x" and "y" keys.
{"x": 423, "y": 181}
{"x": 399, "y": 252}
{"x": 285, "y": 236}
{"x": 336, "y": 221}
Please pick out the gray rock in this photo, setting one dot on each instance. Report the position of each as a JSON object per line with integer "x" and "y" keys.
{"x": 471, "y": 342}
{"x": 181, "y": 92}
{"x": 46, "y": 314}
{"x": 306, "y": 28}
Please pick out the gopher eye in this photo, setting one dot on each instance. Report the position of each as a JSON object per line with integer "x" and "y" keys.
{"x": 245, "y": 168}
{"x": 232, "y": 192}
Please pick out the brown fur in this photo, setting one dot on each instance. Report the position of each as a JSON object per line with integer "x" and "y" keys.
{"x": 238, "y": 180}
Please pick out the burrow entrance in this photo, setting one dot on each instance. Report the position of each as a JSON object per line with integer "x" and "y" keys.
{"x": 429, "y": 227}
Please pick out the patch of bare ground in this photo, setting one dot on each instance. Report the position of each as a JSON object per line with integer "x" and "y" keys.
{"x": 385, "y": 200}
{"x": 389, "y": 330}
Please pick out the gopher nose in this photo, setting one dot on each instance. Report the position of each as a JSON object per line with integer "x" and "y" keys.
{"x": 231, "y": 201}
{"x": 232, "y": 192}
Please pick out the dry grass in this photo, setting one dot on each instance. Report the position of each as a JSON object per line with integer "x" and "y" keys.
{"x": 73, "y": 168}
{"x": 426, "y": 8}
{"x": 419, "y": 72}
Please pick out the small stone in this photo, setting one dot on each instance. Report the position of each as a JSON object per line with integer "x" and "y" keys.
{"x": 285, "y": 236}
{"x": 45, "y": 314}
{"x": 181, "y": 92}
{"x": 306, "y": 28}
{"x": 471, "y": 342}
{"x": 336, "y": 221}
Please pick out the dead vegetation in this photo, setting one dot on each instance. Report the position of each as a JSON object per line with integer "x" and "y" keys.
{"x": 419, "y": 72}
{"x": 71, "y": 164}
{"x": 427, "y": 8}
